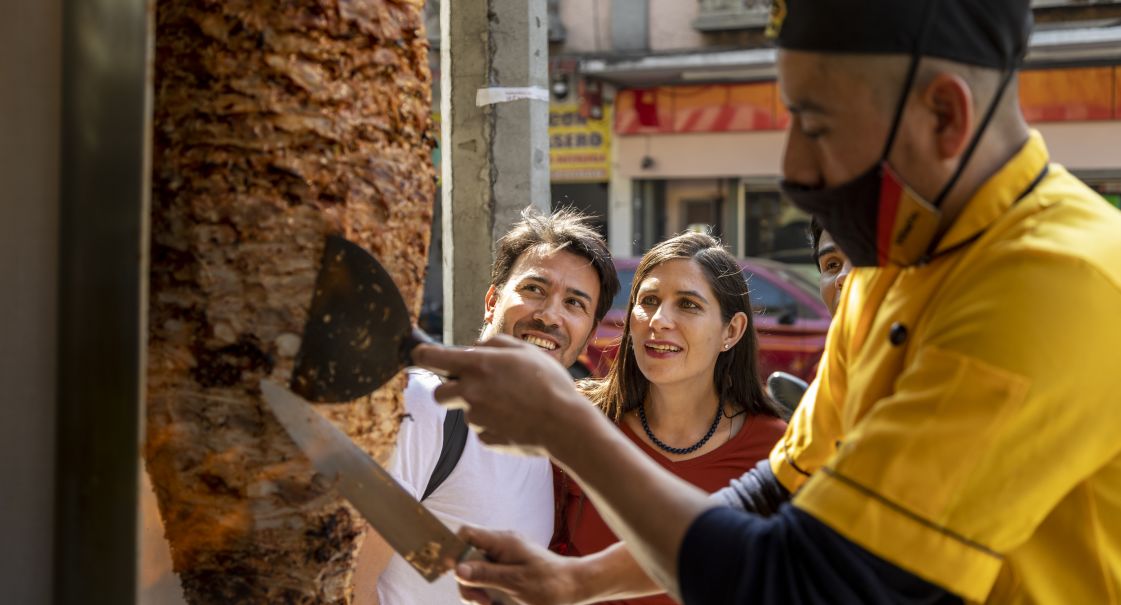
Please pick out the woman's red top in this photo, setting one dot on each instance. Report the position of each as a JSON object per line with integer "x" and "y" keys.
{"x": 581, "y": 531}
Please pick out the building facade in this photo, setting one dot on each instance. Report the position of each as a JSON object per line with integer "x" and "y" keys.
{"x": 696, "y": 123}
{"x": 665, "y": 116}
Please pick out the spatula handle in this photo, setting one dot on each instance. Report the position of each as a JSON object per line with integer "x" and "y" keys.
{"x": 412, "y": 339}
{"x": 497, "y": 597}
{"x": 420, "y": 337}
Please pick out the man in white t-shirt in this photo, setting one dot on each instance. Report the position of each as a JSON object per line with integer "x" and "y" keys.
{"x": 551, "y": 283}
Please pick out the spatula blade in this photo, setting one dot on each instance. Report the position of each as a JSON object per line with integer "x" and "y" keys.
{"x": 356, "y": 325}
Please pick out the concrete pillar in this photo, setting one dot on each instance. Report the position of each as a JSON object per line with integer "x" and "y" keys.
{"x": 494, "y": 136}
{"x": 620, "y": 208}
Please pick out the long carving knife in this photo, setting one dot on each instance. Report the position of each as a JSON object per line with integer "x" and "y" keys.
{"x": 405, "y": 524}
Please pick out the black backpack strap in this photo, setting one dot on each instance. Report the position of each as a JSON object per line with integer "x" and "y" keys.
{"x": 455, "y": 438}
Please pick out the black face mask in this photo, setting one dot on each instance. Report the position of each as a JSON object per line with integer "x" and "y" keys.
{"x": 875, "y": 218}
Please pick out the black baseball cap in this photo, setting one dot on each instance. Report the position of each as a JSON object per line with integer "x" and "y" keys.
{"x": 985, "y": 33}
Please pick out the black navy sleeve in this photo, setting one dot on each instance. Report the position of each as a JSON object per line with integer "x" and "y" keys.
{"x": 790, "y": 558}
{"x": 757, "y": 491}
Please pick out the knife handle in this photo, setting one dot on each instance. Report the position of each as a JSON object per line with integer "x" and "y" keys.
{"x": 497, "y": 597}
{"x": 415, "y": 337}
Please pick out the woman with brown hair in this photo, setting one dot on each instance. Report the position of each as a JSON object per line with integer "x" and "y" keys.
{"x": 684, "y": 386}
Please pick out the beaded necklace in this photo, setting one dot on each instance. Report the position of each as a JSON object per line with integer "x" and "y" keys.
{"x": 679, "y": 450}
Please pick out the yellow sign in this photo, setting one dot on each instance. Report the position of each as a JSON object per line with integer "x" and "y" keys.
{"x": 579, "y": 147}
{"x": 778, "y": 15}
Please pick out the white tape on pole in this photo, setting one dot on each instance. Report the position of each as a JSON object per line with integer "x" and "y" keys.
{"x": 491, "y": 96}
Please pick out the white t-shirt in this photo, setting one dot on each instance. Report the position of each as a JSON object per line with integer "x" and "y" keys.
{"x": 486, "y": 489}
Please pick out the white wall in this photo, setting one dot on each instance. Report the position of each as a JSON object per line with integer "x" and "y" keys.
{"x": 582, "y": 19}
{"x": 701, "y": 155}
{"x": 1084, "y": 145}
{"x": 1077, "y": 145}
{"x": 671, "y": 25}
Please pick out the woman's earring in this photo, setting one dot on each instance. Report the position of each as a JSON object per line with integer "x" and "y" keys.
{"x": 725, "y": 346}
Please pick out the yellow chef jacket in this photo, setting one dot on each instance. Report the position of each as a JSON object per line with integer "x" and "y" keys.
{"x": 965, "y": 423}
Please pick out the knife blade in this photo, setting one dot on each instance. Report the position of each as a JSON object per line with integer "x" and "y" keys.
{"x": 405, "y": 524}
{"x": 409, "y": 528}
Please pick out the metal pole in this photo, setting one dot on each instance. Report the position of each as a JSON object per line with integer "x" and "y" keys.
{"x": 102, "y": 286}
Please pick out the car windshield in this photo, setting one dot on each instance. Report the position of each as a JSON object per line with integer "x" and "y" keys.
{"x": 801, "y": 276}
{"x": 805, "y": 275}
{"x": 626, "y": 276}
{"x": 767, "y": 298}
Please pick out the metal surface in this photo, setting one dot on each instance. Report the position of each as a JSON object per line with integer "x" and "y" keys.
{"x": 786, "y": 389}
{"x": 358, "y": 334}
{"x": 413, "y": 532}
{"x": 102, "y": 281}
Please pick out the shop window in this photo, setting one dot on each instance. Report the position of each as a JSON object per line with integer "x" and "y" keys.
{"x": 774, "y": 228}
{"x": 702, "y": 216}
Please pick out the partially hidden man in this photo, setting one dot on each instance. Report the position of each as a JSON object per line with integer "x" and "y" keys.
{"x": 961, "y": 441}
{"x": 551, "y": 283}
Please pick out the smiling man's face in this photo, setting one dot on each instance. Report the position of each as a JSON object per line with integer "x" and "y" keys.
{"x": 548, "y": 301}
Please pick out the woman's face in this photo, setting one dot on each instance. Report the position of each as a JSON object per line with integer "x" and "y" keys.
{"x": 676, "y": 327}
{"x": 835, "y": 267}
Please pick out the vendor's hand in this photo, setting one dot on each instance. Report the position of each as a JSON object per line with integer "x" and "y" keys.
{"x": 517, "y": 397}
{"x": 527, "y": 573}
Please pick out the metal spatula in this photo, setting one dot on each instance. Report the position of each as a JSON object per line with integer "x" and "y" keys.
{"x": 358, "y": 333}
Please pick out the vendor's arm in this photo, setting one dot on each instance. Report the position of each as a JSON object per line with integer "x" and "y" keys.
{"x": 536, "y": 576}
{"x": 757, "y": 491}
{"x": 729, "y": 556}
{"x": 649, "y": 508}
{"x": 518, "y": 395}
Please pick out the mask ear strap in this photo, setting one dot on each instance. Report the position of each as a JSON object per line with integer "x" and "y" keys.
{"x": 989, "y": 113}
{"x": 909, "y": 81}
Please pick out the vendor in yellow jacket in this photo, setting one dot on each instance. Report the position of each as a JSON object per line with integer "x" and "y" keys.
{"x": 962, "y": 441}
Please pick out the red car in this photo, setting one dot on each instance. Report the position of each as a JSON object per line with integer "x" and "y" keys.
{"x": 790, "y": 319}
